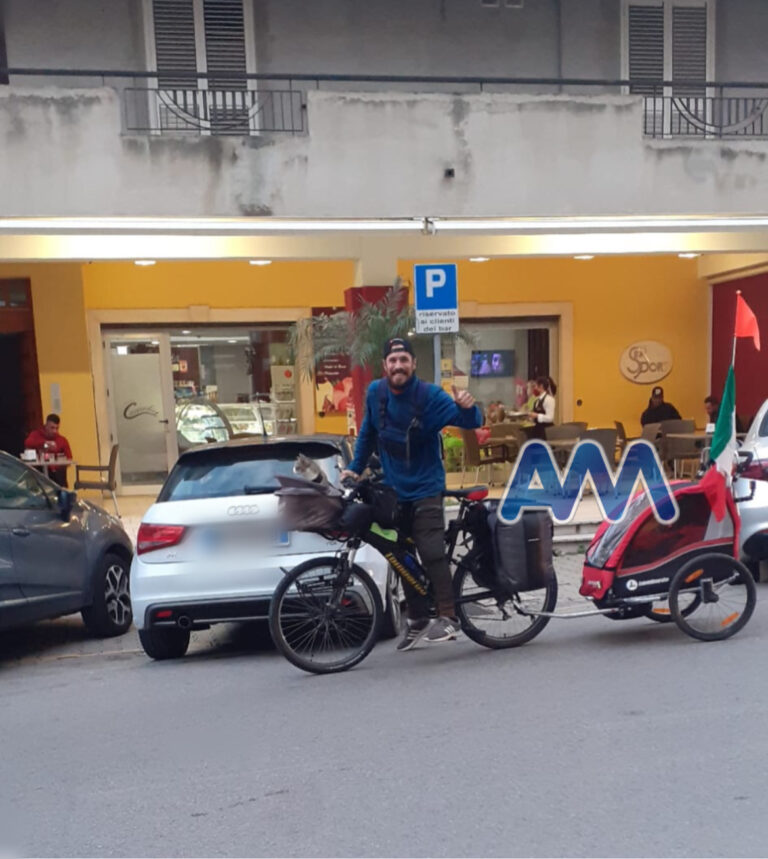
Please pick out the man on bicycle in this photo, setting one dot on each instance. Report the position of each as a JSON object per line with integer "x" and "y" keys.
{"x": 405, "y": 416}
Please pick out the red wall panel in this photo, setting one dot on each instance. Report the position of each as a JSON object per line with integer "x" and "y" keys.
{"x": 751, "y": 366}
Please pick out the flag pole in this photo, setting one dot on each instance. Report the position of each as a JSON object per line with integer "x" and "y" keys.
{"x": 733, "y": 351}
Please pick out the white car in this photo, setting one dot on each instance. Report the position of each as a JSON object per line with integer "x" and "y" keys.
{"x": 209, "y": 550}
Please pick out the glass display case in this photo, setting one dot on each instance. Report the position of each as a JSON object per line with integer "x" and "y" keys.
{"x": 200, "y": 422}
{"x": 246, "y": 418}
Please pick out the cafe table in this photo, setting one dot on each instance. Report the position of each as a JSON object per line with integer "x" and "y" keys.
{"x": 45, "y": 464}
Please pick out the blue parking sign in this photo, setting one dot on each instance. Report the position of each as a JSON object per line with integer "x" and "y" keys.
{"x": 436, "y": 298}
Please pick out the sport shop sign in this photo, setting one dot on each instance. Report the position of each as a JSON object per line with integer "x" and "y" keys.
{"x": 645, "y": 362}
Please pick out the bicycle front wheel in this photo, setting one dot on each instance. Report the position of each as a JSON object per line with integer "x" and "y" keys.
{"x": 324, "y": 619}
{"x": 495, "y": 621}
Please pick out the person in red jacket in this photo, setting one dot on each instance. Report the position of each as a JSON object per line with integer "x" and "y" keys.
{"x": 47, "y": 439}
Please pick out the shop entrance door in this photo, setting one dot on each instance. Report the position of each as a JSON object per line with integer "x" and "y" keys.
{"x": 140, "y": 393}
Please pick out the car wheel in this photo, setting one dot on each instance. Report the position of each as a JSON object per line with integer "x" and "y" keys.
{"x": 164, "y": 642}
{"x": 110, "y": 613}
{"x": 392, "y": 624}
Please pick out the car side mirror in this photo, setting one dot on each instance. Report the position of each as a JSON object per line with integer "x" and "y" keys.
{"x": 66, "y": 503}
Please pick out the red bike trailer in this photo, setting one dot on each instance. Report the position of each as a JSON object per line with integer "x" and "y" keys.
{"x": 687, "y": 571}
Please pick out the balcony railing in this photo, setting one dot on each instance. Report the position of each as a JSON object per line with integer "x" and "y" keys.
{"x": 706, "y": 115}
{"x": 274, "y": 103}
{"x": 213, "y": 111}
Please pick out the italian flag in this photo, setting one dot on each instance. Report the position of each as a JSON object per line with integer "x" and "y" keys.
{"x": 723, "y": 449}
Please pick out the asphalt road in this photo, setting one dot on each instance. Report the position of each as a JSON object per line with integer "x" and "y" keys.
{"x": 600, "y": 738}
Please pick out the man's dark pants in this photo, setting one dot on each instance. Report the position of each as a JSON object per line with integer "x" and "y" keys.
{"x": 425, "y": 522}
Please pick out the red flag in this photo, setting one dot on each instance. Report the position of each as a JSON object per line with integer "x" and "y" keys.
{"x": 746, "y": 322}
{"x": 713, "y": 485}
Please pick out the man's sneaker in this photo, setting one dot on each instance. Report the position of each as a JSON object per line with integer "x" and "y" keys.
{"x": 443, "y": 629}
{"x": 414, "y": 632}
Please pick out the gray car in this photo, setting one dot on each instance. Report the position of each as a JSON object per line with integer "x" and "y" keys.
{"x": 59, "y": 555}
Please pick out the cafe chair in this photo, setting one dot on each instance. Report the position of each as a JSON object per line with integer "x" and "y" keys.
{"x": 107, "y": 484}
{"x": 650, "y": 432}
{"x": 681, "y": 455}
{"x": 563, "y": 432}
{"x": 606, "y": 438}
{"x": 478, "y": 455}
{"x": 621, "y": 438}
{"x": 511, "y": 435}
{"x": 578, "y": 427}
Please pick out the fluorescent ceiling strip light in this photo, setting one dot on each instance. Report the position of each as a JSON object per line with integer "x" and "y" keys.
{"x": 246, "y": 226}
{"x": 256, "y": 226}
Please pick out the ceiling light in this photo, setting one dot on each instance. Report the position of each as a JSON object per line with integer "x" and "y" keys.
{"x": 479, "y": 259}
{"x": 231, "y": 341}
{"x": 688, "y": 256}
{"x": 155, "y": 342}
{"x": 144, "y": 262}
{"x": 260, "y": 262}
{"x": 584, "y": 256}
{"x": 186, "y": 332}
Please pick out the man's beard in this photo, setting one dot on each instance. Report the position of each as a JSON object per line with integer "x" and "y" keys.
{"x": 398, "y": 379}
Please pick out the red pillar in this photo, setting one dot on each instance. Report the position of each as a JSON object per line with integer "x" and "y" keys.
{"x": 362, "y": 376}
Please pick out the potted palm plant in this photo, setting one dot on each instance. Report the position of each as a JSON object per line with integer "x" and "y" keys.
{"x": 359, "y": 333}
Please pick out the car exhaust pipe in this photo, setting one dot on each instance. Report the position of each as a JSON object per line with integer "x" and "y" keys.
{"x": 184, "y": 622}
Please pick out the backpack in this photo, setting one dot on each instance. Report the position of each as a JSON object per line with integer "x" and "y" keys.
{"x": 393, "y": 446}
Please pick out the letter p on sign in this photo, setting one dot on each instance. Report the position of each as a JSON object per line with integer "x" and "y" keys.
{"x": 435, "y": 279}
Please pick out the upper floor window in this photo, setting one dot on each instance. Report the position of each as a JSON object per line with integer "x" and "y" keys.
{"x": 668, "y": 40}
{"x": 212, "y": 37}
{"x": 202, "y": 51}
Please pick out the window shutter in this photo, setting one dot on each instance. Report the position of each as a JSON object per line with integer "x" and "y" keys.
{"x": 225, "y": 44}
{"x": 689, "y": 47}
{"x": 646, "y": 46}
{"x": 174, "y": 22}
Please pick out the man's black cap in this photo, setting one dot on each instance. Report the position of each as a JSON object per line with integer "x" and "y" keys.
{"x": 397, "y": 344}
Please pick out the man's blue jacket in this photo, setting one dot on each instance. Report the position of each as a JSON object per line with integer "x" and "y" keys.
{"x": 406, "y": 426}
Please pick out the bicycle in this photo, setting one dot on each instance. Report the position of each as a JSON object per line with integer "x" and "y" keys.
{"x": 325, "y": 614}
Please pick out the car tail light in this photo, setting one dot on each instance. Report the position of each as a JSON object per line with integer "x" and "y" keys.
{"x": 153, "y": 537}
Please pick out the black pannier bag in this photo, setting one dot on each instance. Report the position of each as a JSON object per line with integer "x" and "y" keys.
{"x": 481, "y": 555}
{"x": 383, "y": 500}
{"x": 307, "y": 506}
{"x": 523, "y": 552}
{"x": 356, "y": 518}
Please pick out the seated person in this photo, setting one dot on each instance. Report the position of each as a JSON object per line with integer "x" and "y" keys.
{"x": 658, "y": 410}
{"x": 495, "y": 413}
{"x": 47, "y": 439}
{"x": 712, "y": 408}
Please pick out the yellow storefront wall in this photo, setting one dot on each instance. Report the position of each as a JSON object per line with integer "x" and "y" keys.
{"x": 220, "y": 285}
{"x": 615, "y": 301}
{"x": 62, "y": 349}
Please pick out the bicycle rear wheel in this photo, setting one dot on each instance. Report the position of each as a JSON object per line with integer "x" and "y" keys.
{"x": 324, "y": 620}
{"x": 712, "y": 597}
{"x": 494, "y": 621}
